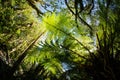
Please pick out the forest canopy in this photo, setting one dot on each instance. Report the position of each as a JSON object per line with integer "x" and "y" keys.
{"x": 59, "y": 39}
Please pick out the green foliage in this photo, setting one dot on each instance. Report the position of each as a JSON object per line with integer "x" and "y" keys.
{"x": 81, "y": 46}
{"x": 55, "y": 23}
{"x": 18, "y": 25}
{"x": 62, "y": 44}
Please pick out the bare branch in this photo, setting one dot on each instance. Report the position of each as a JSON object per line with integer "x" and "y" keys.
{"x": 77, "y": 15}
{"x": 32, "y": 4}
{"x": 69, "y": 7}
{"x": 84, "y": 22}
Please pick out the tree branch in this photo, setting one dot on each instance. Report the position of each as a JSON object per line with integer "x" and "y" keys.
{"x": 84, "y": 22}
{"x": 32, "y": 4}
{"x": 69, "y": 7}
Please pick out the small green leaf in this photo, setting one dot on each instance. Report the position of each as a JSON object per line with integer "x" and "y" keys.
{"x": 12, "y": 2}
{"x": 18, "y": 31}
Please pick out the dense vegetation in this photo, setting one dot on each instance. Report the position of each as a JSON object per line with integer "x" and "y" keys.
{"x": 59, "y": 39}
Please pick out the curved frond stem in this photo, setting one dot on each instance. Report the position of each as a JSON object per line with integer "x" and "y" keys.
{"x": 75, "y": 53}
{"x": 70, "y": 36}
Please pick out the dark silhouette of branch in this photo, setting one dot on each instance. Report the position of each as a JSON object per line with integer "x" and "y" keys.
{"x": 69, "y": 7}
{"x": 32, "y": 4}
{"x": 77, "y": 15}
{"x": 84, "y": 22}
